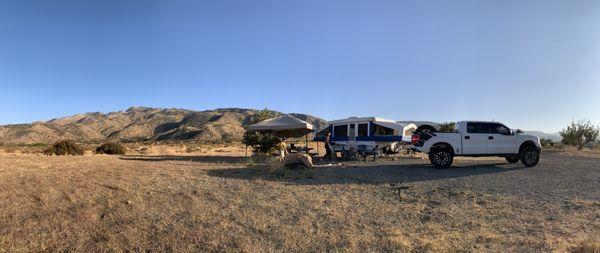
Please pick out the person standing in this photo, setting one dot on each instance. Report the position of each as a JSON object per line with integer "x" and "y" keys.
{"x": 328, "y": 149}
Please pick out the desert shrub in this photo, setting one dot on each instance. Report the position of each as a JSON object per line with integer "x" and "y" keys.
{"x": 447, "y": 127}
{"x": 111, "y": 148}
{"x": 260, "y": 142}
{"x": 64, "y": 147}
{"x": 546, "y": 142}
{"x": 591, "y": 245}
{"x": 579, "y": 133}
{"x": 559, "y": 145}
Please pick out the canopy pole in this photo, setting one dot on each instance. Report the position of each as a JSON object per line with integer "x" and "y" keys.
{"x": 306, "y": 143}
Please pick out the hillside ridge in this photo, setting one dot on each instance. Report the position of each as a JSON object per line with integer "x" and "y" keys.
{"x": 141, "y": 124}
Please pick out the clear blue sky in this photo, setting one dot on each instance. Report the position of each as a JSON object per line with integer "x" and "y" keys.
{"x": 530, "y": 64}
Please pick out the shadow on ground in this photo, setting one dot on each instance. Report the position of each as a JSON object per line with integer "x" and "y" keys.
{"x": 202, "y": 159}
{"x": 359, "y": 174}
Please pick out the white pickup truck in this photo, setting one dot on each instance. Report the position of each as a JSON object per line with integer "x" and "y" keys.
{"x": 478, "y": 138}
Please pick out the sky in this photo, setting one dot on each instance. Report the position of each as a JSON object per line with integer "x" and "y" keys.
{"x": 530, "y": 64}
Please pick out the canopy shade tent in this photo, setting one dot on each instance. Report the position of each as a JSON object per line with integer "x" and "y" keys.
{"x": 283, "y": 126}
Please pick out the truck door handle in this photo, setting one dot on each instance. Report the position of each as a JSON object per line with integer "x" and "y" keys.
{"x": 467, "y": 137}
{"x": 490, "y": 137}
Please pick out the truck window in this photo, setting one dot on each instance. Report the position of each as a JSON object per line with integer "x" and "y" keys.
{"x": 499, "y": 129}
{"x": 363, "y": 129}
{"x": 340, "y": 131}
{"x": 478, "y": 128}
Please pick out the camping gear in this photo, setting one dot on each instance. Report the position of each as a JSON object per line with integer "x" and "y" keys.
{"x": 284, "y": 126}
{"x": 297, "y": 159}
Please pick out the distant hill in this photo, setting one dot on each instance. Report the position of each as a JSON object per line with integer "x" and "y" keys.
{"x": 141, "y": 124}
{"x": 551, "y": 136}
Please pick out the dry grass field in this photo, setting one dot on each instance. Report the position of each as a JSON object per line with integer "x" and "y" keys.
{"x": 217, "y": 201}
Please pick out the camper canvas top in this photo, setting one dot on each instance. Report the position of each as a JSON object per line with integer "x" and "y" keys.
{"x": 358, "y": 119}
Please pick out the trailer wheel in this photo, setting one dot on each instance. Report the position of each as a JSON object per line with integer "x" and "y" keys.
{"x": 441, "y": 158}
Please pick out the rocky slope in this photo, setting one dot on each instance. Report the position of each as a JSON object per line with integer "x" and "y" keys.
{"x": 139, "y": 124}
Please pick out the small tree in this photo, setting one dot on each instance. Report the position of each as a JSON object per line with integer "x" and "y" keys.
{"x": 579, "y": 133}
{"x": 111, "y": 148}
{"x": 64, "y": 147}
{"x": 447, "y": 127}
{"x": 260, "y": 142}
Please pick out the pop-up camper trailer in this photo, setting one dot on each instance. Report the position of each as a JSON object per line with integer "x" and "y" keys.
{"x": 423, "y": 125}
{"x": 366, "y": 133}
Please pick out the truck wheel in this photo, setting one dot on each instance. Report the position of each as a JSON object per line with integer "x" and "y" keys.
{"x": 441, "y": 158}
{"x": 512, "y": 159}
{"x": 530, "y": 156}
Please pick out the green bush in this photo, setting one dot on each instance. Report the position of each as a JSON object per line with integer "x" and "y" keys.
{"x": 64, "y": 147}
{"x": 579, "y": 133}
{"x": 260, "y": 142}
{"x": 447, "y": 127}
{"x": 111, "y": 148}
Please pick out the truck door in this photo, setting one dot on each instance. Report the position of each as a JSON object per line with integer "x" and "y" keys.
{"x": 475, "y": 139}
{"x": 501, "y": 140}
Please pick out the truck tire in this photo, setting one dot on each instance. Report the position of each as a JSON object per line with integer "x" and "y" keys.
{"x": 513, "y": 159}
{"x": 441, "y": 158}
{"x": 530, "y": 156}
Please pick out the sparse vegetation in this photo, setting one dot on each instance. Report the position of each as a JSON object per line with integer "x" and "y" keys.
{"x": 590, "y": 245}
{"x": 447, "y": 127}
{"x": 111, "y": 148}
{"x": 64, "y": 147}
{"x": 579, "y": 133}
{"x": 36, "y": 145}
{"x": 298, "y": 172}
{"x": 260, "y": 142}
{"x": 199, "y": 204}
{"x": 547, "y": 143}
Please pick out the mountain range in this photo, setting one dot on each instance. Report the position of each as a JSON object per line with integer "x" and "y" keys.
{"x": 552, "y": 136}
{"x": 152, "y": 124}
{"x": 141, "y": 124}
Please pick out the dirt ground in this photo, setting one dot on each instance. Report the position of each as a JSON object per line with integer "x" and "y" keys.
{"x": 223, "y": 202}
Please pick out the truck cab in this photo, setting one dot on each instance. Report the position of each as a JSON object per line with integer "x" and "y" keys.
{"x": 478, "y": 138}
